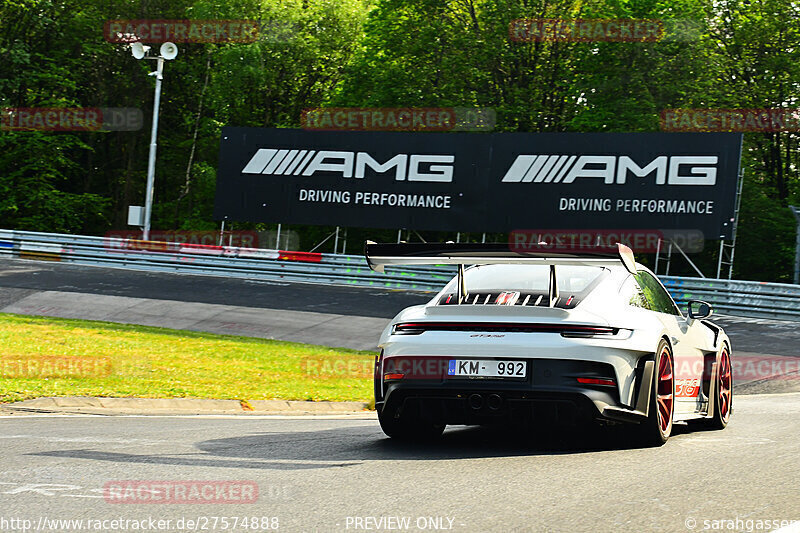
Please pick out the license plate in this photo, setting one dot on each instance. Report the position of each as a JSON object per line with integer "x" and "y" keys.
{"x": 487, "y": 368}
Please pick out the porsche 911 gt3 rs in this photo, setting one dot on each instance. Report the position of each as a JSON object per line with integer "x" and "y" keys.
{"x": 534, "y": 336}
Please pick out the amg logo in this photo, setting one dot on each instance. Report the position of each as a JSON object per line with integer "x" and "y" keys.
{"x": 351, "y": 164}
{"x": 702, "y": 170}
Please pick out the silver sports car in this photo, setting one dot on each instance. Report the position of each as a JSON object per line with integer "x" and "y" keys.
{"x": 534, "y": 336}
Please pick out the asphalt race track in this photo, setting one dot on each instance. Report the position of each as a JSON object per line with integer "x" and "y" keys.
{"x": 303, "y": 312}
{"x": 350, "y": 317}
{"x": 339, "y": 473}
{"x": 320, "y": 474}
{"x": 53, "y": 276}
{"x": 300, "y": 312}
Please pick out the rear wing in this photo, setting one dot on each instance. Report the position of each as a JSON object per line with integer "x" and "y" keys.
{"x": 380, "y": 255}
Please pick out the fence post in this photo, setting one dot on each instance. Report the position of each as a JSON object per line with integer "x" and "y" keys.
{"x": 796, "y": 246}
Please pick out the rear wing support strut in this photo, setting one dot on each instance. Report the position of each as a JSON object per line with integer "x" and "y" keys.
{"x": 380, "y": 255}
{"x": 462, "y": 289}
{"x": 552, "y": 290}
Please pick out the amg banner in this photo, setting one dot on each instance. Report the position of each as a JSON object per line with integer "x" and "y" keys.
{"x": 496, "y": 182}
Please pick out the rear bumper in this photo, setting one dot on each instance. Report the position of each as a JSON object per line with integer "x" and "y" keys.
{"x": 550, "y": 393}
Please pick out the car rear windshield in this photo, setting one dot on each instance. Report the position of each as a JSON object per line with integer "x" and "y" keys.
{"x": 485, "y": 283}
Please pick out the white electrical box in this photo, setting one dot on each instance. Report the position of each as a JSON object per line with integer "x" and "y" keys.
{"x": 135, "y": 215}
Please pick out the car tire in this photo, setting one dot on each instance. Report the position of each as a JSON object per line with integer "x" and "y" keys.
{"x": 723, "y": 399}
{"x": 409, "y": 428}
{"x": 658, "y": 427}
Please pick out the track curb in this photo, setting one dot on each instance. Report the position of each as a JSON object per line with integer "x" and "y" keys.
{"x": 100, "y": 405}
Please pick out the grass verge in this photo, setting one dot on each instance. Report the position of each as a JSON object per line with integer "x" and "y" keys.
{"x": 42, "y": 356}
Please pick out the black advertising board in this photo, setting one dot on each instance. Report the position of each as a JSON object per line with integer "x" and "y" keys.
{"x": 496, "y": 182}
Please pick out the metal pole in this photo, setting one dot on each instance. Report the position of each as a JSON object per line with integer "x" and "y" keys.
{"x": 221, "y": 232}
{"x": 458, "y": 237}
{"x": 796, "y": 246}
{"x": 658, "y": 255}
{"x": 323, "y": 241}
{"x": 483, "y": 238}
{"x": 719, "y": 261}
{"x": 688, "y": 260}
{"x": 151, "y": 160}
{"x": 344, "y": 243}
{"x": 736, "y": 217}
{"x": 336, "y": 241}
{"x": 278, "y": 238}
{"x": 669, "y": 258}
{"x": 398, "y": 235}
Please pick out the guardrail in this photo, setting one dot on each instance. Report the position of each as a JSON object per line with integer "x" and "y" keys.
{"x": 229, "y": 261}
{"x": 743, "y": 298}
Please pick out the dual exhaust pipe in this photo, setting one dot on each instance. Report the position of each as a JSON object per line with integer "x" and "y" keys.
{"x": 492, "y": 401}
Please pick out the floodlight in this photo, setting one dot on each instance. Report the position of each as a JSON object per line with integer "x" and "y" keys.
{"x": 139, "y": 51}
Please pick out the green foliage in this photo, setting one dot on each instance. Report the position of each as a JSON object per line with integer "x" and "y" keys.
{"x": 32, "y": 189}
{"x": 294, "y": 65}
{"x": 310, "y": 53}
{"x": 765, "y": 248}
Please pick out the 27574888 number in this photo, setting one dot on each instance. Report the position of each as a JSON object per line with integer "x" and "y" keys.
{"x": 226, "y": 523}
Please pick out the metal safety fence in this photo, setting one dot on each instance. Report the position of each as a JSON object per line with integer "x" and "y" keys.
{"x": 228, "y": 261}
{"x": 743, "y": 298}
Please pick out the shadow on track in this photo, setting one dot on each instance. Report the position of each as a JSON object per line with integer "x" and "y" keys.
{"x": 367, "y": 443}
{"x": 354, "y": 444}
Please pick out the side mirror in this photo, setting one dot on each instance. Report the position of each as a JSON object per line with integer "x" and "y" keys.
{"x": 699, "y": 309}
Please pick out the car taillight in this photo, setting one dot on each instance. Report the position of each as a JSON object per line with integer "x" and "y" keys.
{"x": 408, "y": 329}
{"x": 597, "y": 381}
{"x": 588, "y": 332}
{"x": 566, "y": 330}
{"x": 392, "y": 376}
